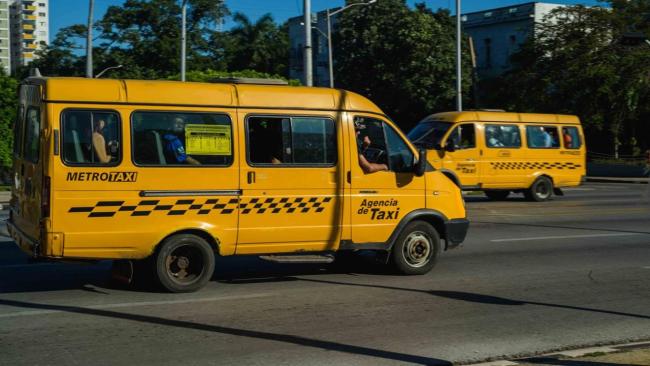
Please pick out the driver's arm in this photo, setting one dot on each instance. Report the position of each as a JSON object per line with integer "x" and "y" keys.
{"x": 369, "y": 167}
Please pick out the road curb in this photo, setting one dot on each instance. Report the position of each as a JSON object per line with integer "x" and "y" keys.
{"x": 617, "y": 180}
{"x": 552, "y": 358}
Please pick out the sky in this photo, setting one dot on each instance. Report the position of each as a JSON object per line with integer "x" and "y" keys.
{"x": 68, "y": 12}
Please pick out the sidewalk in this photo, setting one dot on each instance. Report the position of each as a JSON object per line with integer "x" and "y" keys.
{"x": 631, "y": 354}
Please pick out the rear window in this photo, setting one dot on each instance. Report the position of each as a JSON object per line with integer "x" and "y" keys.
{"x": 32, "y": 134}
{"x": 91, "y": 137}
{"x": 571, "y": 138}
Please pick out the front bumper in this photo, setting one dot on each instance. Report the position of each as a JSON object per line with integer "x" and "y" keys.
{"x": 455, "y": 232}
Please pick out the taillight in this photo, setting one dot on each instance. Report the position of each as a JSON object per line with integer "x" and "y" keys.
{"x": 45, "y": 198}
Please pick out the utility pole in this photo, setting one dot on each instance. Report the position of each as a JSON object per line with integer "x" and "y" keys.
{"x": 183, "y": 37}
{"x": 89, "y": 41}
{"x": 309, "y": 77}
{"x": 459, "y": 92}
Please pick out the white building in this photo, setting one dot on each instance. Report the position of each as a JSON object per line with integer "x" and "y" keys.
{"x": 498, "y": 33}
{"x": 30, "y": 21}
{"x": 5, "y": 40}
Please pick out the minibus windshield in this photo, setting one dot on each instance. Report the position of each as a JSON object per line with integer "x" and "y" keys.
{"x": 428, "y": 133}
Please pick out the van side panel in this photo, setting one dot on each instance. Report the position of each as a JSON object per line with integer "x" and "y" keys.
{"x": 124, "y": 211}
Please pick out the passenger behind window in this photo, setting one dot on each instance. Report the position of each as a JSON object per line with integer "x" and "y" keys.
{"x": 174, "y": 146}
{"x": 266, "y": 143}
{"x": 493, "y": 140}
{"x": 99, "y": 143}
{"x": 363, "y": 143}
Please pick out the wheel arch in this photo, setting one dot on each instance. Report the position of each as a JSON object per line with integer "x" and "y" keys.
{"x": 435, "y": 218}
{"x": 211, "y": 240}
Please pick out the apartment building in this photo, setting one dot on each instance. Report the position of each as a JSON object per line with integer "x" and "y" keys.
{"x": 29, "y": 22}
{"x": 5, "y": 40}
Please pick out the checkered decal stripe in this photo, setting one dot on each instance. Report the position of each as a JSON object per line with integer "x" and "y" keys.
{"x": 533, "y": 165}
{"x": 206, "y": 207}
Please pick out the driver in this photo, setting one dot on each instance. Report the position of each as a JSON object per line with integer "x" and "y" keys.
{"x": 362, "y": 144}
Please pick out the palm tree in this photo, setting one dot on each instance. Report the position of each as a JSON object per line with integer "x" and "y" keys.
{"x": 262, "y": 46}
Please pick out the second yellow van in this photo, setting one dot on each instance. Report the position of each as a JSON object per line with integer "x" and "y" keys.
{"x": 500, "y": 152}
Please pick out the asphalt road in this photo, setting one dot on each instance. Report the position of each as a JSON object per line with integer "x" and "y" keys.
{"x": 532, "y": 277}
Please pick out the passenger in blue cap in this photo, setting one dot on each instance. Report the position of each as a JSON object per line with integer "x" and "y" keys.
{"x": 174, "y": 146}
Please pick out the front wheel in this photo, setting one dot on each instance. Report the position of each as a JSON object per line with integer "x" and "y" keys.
{"x": 416, "y": 250}
{"x": 540, "y": 190}
{"x": 184, "y": 263}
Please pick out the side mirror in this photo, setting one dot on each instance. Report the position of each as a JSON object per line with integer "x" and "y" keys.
{"x": 449, "y": 146}
{"x": 421, "y": 166}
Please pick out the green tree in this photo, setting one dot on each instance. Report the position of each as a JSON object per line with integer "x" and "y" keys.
{"x": 403, "y": 59}
{"x": 141, "y": 35}
{"x": 578, "y": 64}
{"x": 8, "y": 102}
{"x": 261, "y": 45}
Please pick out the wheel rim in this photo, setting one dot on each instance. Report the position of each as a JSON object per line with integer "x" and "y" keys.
{"x": 417, "y": 249}
{"x": 184, "y": 264}
{"x": 542, "y": 190}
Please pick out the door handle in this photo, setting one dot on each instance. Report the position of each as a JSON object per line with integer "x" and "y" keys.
{"x": 251, "y": 177}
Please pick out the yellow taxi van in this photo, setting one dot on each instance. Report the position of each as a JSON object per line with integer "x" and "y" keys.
{"x": 501, "y": 152}
{"x": 163, "y": 174}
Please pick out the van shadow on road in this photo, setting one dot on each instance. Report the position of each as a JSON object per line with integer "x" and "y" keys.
{"x": 286, "y": 338}
{"x": 482, "y": 299}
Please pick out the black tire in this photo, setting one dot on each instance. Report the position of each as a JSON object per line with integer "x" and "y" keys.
{"x": 416, "y": 250}
{"x": 184, "y": 263}
{"x": 541, "y": 190}
{"x": 497, "y": 195}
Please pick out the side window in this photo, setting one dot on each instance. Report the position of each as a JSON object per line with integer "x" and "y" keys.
{"x": 300, "y": 141}
{"x": 32, "y": 134}
{"x": 380, "y": 145}
{"x": 463, "y": 137}
{"x": 91, "y": 137}
{"x": 400, "y": 157}
{"x": 542, "y": 137}
{"x": 571, "y": 138}
{"x": 181, "y": 139}
{"x": 502, "y": 136}
{"x": 19, "y": 127}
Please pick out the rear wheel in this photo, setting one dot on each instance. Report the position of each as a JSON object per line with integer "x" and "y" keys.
{"x": 184, "y": 263}
{"x": 541, "y": 190}
{"x": 497, "y": 195}
{"x": 416, "y": 250}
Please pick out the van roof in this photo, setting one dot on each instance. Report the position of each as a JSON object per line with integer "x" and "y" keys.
{"x": 491, "y": 116}
{"x": 176, "y": 93}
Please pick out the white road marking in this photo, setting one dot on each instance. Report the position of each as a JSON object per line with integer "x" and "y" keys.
{"x": 130, "y": 304}
{"x": 495, "y": 363}
{"x": 565, "y": 237}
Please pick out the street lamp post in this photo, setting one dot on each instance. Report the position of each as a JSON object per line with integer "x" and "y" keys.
{"x": 330, "y": 51}
{"x": 183, "y": 37}
{"x": 108, "y": 69}
{"x": 89, "y": 41}
{"x": 459, "y": 73}
{"x": 309, "y": 76}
